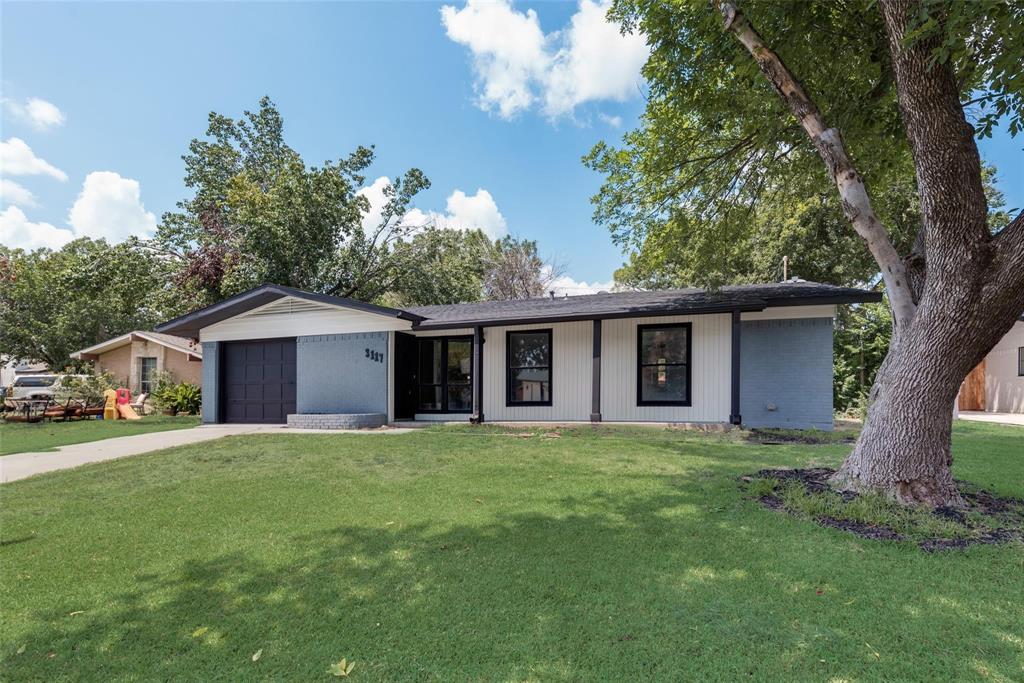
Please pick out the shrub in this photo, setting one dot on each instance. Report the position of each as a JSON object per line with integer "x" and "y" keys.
{"x": 88, "y": 388}
{"x": 176, "y": 397}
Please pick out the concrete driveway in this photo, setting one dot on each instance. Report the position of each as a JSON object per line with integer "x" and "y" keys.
{"x": 22, "y": 465}
{"x": 997, "y": 418}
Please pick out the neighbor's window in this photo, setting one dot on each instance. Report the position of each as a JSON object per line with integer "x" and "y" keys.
{"x": 663, "y": 365}
{"x": 529, "y": 368}
{"x": 1020, "y": 361}
{"x": 446, "y": 375}
{"x": 147, "y": 371}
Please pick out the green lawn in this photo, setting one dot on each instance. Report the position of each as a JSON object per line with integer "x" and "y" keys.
{"x": 469, "y": 554}
{"x": 19, "y": 437}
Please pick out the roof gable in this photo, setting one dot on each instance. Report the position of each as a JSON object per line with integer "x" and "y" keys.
{"x": 181, "y": 344}
{"x": 189, "y": 324}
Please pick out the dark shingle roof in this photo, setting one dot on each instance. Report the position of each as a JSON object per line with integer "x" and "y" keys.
{"x": 627, "y": 304}
{"x": 559, "y": 309}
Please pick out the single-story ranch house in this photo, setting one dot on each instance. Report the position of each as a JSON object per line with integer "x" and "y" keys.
{"x": 134, "y": 359}
{"x": 758, "y": 355}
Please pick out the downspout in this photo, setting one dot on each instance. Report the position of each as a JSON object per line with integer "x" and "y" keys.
{"x": 734, "y": 417}
{"x": 478, "y": 375}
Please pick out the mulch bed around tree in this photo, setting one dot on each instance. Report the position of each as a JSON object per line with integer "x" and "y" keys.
{"x": 803, "y": 437}
{"x": 1008, "y": 512}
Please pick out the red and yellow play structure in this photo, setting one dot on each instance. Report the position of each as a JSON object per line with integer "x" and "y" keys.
{"x": 117, "y": 405}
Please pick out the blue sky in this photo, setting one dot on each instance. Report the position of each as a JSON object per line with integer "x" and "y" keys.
{"x": 485, "y": 98}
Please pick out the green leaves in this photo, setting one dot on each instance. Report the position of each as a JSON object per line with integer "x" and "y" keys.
{"x": 719, "y": 181}
{"x": 260, "y": 213}
{"x": 53, "y": 303}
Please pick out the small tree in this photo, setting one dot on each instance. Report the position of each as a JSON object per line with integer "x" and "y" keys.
{"x": 87, "y": 389}
{"x": 517, "y": 271}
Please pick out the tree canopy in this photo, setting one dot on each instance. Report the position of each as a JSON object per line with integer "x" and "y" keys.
{"x": 259, "y": 213}
{"x": 719, "y": 181}
{"x": 53, "y": 303}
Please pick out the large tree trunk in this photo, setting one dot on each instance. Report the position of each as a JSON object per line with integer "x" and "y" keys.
{"x": 962, "y": 311}
{"x": 904, "y": 448}
{"x": 953, "y": 298}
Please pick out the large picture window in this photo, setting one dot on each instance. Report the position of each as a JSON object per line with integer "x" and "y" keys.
{"x": 529, "y": 368}
{"x": 445, "y": 375}
{"x": 663, "y": 365}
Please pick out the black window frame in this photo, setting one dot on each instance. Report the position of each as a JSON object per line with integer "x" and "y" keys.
{"x": 146, "y": 385}
{"x": 443, "y": 410}
{"x": 1020, "y": 361}
{"x": 640, "y": 329}
{"x": 509, "y": 401}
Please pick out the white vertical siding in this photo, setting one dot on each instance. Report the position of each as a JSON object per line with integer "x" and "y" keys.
{"x": 710, "y": 371}
{"x": 572, "y": 348}
{"x": 570, "y": 368}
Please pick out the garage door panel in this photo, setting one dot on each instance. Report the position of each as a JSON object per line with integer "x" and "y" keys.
{"x": 259, "y": 381}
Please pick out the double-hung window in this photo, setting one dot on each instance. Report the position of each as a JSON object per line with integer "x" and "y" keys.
{"x": 663, "y": 365}
{"x": 528, "y": 363}
{"x": 445, "y": 375}
{"x": 147, "y": 372}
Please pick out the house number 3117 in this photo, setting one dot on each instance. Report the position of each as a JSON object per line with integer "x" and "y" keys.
{"x": 375, "y": 356}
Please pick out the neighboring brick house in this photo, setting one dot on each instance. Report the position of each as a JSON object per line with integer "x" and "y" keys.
{"x": 135, "y": 358}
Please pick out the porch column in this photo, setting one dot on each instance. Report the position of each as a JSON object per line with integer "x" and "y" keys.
{"x": 735, "y": 417}
{"x": 595, "y": 374}
{"x": 478, "y": 375}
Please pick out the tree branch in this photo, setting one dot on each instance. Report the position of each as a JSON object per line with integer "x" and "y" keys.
{"x": 856, "y": 202}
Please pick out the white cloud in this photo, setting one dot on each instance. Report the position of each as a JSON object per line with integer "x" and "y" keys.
{"x": 509, "y": 52}
{"x": 565, "y": 285}
{"x": 41, "y": 114}
{"x": 13, "y": 193}
{"x": 17, "y": 158}
{"x": 17, "y": 231}
{"x": 110, "y": 207}
{"x": 464, "y": 212}
{"x": 613, "y": 121}
{"x": 374, "y": 193}
{"x": 517, "y": 66}
{"x": 596, "y": 62}
{"x": 478, "y": 211}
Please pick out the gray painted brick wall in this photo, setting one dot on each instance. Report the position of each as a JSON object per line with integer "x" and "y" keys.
{"x": 211, "y": 381}
{"x": 786, "y": 364}
{"x": 335, "y": 374}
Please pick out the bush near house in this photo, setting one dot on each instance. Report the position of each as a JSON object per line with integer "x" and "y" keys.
{"x": 176, "y": 398}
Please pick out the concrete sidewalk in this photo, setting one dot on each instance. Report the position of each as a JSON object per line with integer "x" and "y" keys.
{"x": 22, "y": 465}
{"x": 995, "y": 418}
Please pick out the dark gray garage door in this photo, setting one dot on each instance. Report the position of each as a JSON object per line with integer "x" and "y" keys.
{"x": 259, "y": 380}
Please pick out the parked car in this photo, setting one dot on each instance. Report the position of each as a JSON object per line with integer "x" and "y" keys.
{"x": 35, "y": 386}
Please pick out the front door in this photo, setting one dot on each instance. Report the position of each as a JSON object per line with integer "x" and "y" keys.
{"x": 406, "y": 380}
